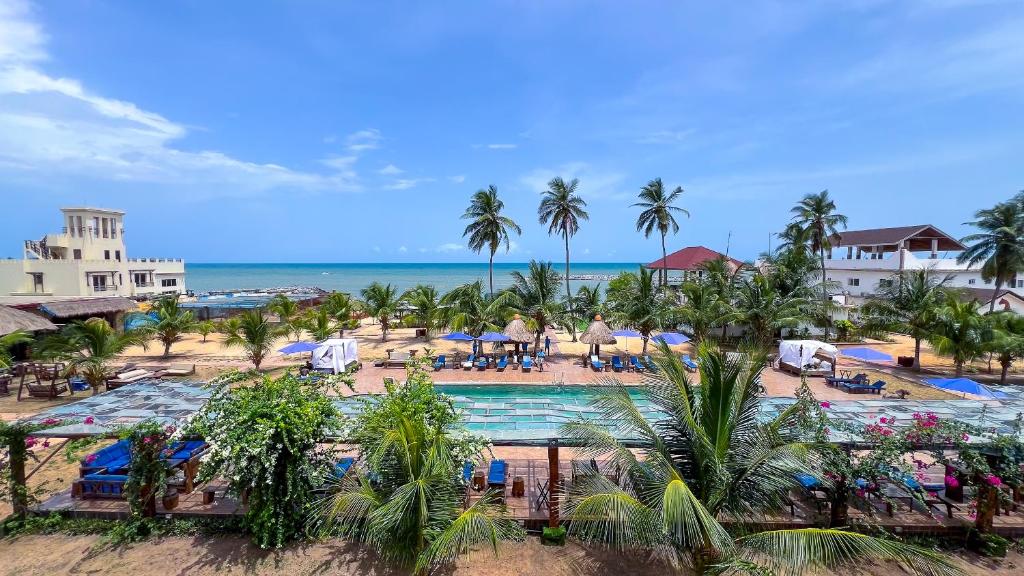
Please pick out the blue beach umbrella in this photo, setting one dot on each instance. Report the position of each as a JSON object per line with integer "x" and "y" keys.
{"x": 866, "y": 354}
{"x": 492, "y": 337}
{"x": 458, "y": 337}
{"x": 627, "y": 334}
{"x": 299, "y": 347}
{"x": 966, "y": 386}
{"x": 671, "y": 338}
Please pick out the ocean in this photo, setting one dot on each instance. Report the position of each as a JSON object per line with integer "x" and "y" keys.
{"x": 354, "y": 277}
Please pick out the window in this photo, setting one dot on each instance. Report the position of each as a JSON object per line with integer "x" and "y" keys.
{"x": 141, "y": 279}
{"x": 169, "y": 282}
{"x": 99, "y": 283}
{"x": 37, "y": 282}
{"x": 113, "y": 228}
{"x": 78, "y": 254}
{"x": 971, "y": 280}
{"x": 853, "y": 281}
{"x": 117, "y": 255}
{"x": 106, "y": 254}
{"x": 106, "y": 228}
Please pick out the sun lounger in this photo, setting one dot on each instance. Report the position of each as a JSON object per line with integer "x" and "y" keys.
{"x": 397, "y": 360}
{"x": 688, "y": 363}
{"x": 468, "y": 364}
{"x": 49, "y": 382}
{"x": 858, "y": 379}
{"x": 596, "y": 363}
{"x": 440, "y": 362}
{"x": 527, "y": 364}
{"x": 481, "y": 363}
{"x": 502, "y": 364}
{"x": 616, "y": 364}
{"x": 184, "y": 455}
{"x": 813, "y": 487}
{"x": 651, "y": 365}
{"x": 497, "y": 475}
{"x": 875, "y": 388}
{"x": 467, "y": 472}
{"x": 129, "y": 377}
{"x": 341, "y": 467}
{"x": 179, "y": 370}
{"x": 636, "y": 365}
{"x": 109, "y": 460}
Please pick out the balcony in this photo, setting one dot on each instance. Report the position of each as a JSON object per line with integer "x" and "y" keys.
{"x": 145, "y": 284}
{"x": 103, "y": 288}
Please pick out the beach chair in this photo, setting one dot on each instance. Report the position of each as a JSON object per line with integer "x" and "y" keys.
{"x": 5, "y": 382}
{"x": 440, "y": 362}
{"x": 596, "y": 363}
{"x": 467, "y": 472}
{"x": 341, "y": 467}
{"x": 502, "y": 364}
{"x": 617, "y": 364}
{"x": 813, "y": 487}
{"x": 930, "y": 494}
{"x": 468, "y": 364}
{"x": 481, "y": 363}
{"x": 49, "y": 383}
{"x": 527, "y": 364}
{"x": 688, "y": 363}
{"x": 650, "y": 364}
{"x": 110, "y": 460}
{"x": 635, "y": 364}
{"x": 184, "y": 455}
{"x": 129, "y": 377}
{"x": 497, "y": 476}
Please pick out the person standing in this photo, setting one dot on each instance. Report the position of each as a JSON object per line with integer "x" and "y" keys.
{"x": 547, "y": 345}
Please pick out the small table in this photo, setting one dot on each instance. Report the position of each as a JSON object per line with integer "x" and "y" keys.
{"x": 478, "y": 480}
{"x": 541, "y": 501}
{"x": 518, "y": 487}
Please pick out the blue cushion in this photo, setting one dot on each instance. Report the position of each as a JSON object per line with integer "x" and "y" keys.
{"x": 341, "y": 468}
{"x": 107, "y": 477}
{"x": 806, "y": 480}
{"x": 184, "y": 450}
{"x": 497, "y": 472}
{"x": 115, "y": 464}
{"x": 116, "y": 451}
{"x": 467, "y": 471}
{"x": 527, "y": 362}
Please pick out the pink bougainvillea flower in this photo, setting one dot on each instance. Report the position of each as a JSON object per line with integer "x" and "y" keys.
{"x": 994, "y": 480}
{"x": 965, "y": 437}
{"x": 90, "y": 458}
{"x": 88, "y": 420}
{"x": 952, "y": 482}
{"x": 826, "y": 404}
{"x": 860, "y": 492}
{"x": 883, "y": 420}
{"x": 30, "y": 442}
{"x": 46, "y": 443}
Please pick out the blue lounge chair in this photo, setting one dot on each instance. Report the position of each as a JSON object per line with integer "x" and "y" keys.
{"x": 342, "y": 466}
{"x": 637, "y": 366}
{"x": 596, "y": 363}
{"x": 497, "y": 474}
{"x": 616, "y": 364}
{"x": 110, "y": 460}
{"x": 527, "y": 364}
{"x": 808, "y": 481}
{"x": 467, "y": 472}
{"x": 875, "y": 388}
{"x": 481, "y": 364}
{"x": 650, "y": 364}
{"x": 468, "y": 364}
{"x": 440, "y": 362}
{"x": 502, "y": 364}
{"x": 688, "y": 363}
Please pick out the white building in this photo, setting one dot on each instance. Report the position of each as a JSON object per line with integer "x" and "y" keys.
{"x": 88, "y": 258}
{"x": 860, "y": 260}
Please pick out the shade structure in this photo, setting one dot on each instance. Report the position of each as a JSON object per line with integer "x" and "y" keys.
{"x": 671, "y": 338}
{"x": 12, "y": 320}
{"x": 516, "y": 331}
{"x": 458, "y": 337}
{"x": 965, "y": 386}
{"x": 866, "y": 354}
{"x": 492, "y": 337}
{"x": 299, "y": 347}
{"x": 626, "y": 334}
{"x": 597, "y": 333}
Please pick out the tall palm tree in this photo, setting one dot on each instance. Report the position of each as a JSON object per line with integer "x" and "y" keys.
{"x": 342, "y": 307}
{"x": 254, "y": 334}
{"x": 381, "y": 303}
{"x": 961, "y": 331}
{"x": 562, "y": 209}
{"x": 999, "y": 247}
{"x": 89, "y": 347}
{"x": 762, "y": 307}
{"x": 287, "y": 311}
{"x": 816, "y": 214}
{"x": 489, "y": 228}
{"x": 710, "y": 456}
{"x": 658, "y": 214}
{"x": 703, "y": 310}
{"x": 171, "y": 322}
{"x": 635, "y": 302}
{"x": 8, "y": 341}
{"x": 535, "y": 297}
{"x": 468, "y": 309}
{"x": 907, "y": 302}
{"x": 428, "y": 312}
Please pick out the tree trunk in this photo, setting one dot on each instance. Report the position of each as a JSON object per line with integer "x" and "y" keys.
{"x": 167, "y": 349}
{"x": 645, "y": 339}
{"x": 959, "y": 369}
{"x": 917, "y": 354}
{"x": 490, "y": 273}
{"x": 988, "y": 502}
{"x": 568, "y": 291}
{"x": 19, "y": 492}
{"x": 995, "y": 294}
{"x": 664, "y": 257}
{"x": 1005, "y": 368}
{"x": 824, "y": 289}
{"x": 839, "y": 505}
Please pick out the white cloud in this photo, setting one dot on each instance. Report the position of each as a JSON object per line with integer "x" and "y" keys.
{"x": 56, "y": 125}
{"x": 406, "y": 183}
{"x": 665, "y": 136}
{"x": 594, "y": 183}
{"x": 458, "y": 179}
{"x": 513, "y": 246}
{"x": 402, "y": 249}
{"x": 368, "y": 139}
{"x": 586, "y": 251}
{"x": 390, "y": 170}
{"x": 450, "y": 247}
{"x": 376, "y": 248}
{"x": 502, "y": 146}
{"x": 421, "y": 250}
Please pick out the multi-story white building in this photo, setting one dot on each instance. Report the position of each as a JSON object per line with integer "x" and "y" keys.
{"x": 861, "y": 260}
{"x": 88, "y": 258}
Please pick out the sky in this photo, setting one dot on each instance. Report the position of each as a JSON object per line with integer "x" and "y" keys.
{"x": 357, "y": 131}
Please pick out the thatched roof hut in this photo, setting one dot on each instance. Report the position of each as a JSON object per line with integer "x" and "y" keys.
{"x": 82, "y": 307}
{"x": 12, "y": 320}
{"x": 516, "y": 331}
{"x": 597, "y": 333}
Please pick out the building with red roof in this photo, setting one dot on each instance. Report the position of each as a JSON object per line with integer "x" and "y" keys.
{"x": 690, "y": 260}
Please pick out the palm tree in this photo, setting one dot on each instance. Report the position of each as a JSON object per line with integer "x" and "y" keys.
{"x": 635, "y": 302}
{"x": 287, "y": 311}
{"x": 703, "y": 310}
{"x": 381, "y": 303}
{"x": 8, "y": 341}
{"x": 563, "y": 209}
{"x": 794, "y": 237}
{"x": 587, "y": 302}
{"x": 205, "y": 328}
{"x": 658, "y": 214}
{"x": 816, "y": 214}
{"x": 762, "y": 307}
{"x": 907, "y": 302}
{"x": 999, "y": 247}
{"x": 320, "y": 323}
{"x": 254, "y": 334}
{"x": 406, "y": 499}
{"x": 710, "y": 456}
{"x": 1007, "y": 340}
{"x": 429, "y": 313}
{"x": 89, "y": 346}
{"x": 488, "y": 227}
{"x": 534, "y": 296}
{"x": 171, "y": 322}
{"x": 468, "y": 309}
{"x": 723, "y": 276}
{"x": 960, "y": 331}
{"x": 342, "y": 307}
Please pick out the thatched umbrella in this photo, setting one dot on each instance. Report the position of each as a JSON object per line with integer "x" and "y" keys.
{"x": 517, "y": 332}
{"x": 597, "y": 333}
{"x": 12, "y": 320}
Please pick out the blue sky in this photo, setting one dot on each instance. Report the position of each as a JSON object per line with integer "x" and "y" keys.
{"x": 356, "y": 131}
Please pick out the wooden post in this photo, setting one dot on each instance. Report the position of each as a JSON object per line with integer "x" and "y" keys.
{"x": 19, "y": 491}
{"x": 553, "y": 483}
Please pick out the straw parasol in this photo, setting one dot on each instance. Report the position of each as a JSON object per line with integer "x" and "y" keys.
{"x": 516, "y": 331}
{"x": 12, "y": 320}
{"x": 597, "y": 333}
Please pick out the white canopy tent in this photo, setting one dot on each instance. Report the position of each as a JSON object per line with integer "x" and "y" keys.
{"x": 335, "y": 354}
{"x": 799, "y": 356}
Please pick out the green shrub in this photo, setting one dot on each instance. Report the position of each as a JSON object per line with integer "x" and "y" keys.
{"x": 553, "y": 536}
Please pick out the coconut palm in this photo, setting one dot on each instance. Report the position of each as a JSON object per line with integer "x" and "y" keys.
{"x": 703, "y": 310}
{"x": 960, "y": 330}
{"x": 1007, "y": 340}
{"x": 535, "y": 297}
{"x": 428, "y": 313}
{"x": 711, "y": 456}
{"x": 795, "y": 237}
{"x": 320, "y": 323}
{"x": 766, "y": 310}
{"x": 89, "y": 347}
{"x": 8, "y": 341}
{"x": 723, "y": 276}
{"x": 907, "y": 303}
{"x": 253, "y": 333}
{"x": 288, "y": 317}
{"x": 489, "y": 228}
{"x": 406, "y": 499}
{"x": 205, "y": 328}
{"x": 466, "y": 308}
{"x": 658, "y": 214}
{"x": 635, "y": 302}
{"x": 562, "y": 209}
{"x": 171, "y": 322}
{"x": 816, "y": 214}
{"x": 381, "y": 303}
{"x": 998, "y": 247}
{"x": 343, "y": 308}
{"x": 587, "y": 302}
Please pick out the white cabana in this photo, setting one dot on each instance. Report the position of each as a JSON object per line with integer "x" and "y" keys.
{"x": 810, "y": 357}
{"x": 335, "y": 354}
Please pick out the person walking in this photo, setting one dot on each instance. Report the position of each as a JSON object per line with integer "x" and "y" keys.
{"x": 547, "y": 345}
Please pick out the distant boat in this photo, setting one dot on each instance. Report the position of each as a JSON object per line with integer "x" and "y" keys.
{"x": 325, "y": 273}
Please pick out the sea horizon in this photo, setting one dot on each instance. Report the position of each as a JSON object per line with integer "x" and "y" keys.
{"x": 354, "y": 276}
